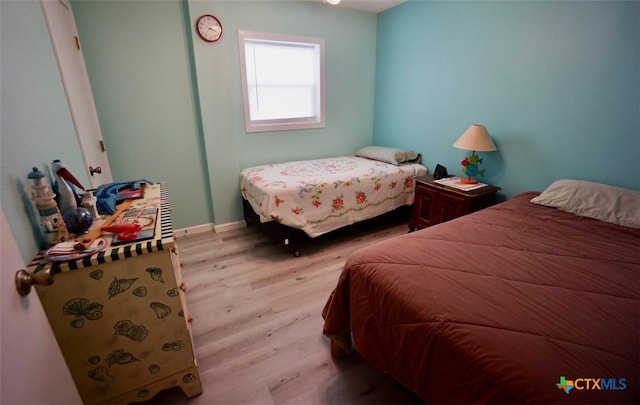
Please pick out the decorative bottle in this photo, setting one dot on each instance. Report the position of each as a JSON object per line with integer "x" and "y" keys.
{"x": 66, "y": 196}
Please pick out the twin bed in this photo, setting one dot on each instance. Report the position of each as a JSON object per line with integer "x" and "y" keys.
{"x": 309, "y": 198}
{"x": 521, "y": 302}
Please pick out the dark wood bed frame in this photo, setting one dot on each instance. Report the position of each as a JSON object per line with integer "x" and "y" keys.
{"x": 292, "y": 238}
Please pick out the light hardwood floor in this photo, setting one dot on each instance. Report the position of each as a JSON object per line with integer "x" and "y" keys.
{"x": 257, "y": 321}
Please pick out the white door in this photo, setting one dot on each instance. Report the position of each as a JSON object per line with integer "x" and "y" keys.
{"x": 75, "y": 79}
{"x": 32, "y": 369}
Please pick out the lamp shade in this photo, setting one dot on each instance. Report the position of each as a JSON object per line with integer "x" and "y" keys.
{"x": 475, "y": 138}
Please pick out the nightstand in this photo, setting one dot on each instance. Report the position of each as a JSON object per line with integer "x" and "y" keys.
{"x": 435, "y": 203}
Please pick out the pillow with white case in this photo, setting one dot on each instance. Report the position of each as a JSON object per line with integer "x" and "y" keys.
{"x": 603, "y": 202}
{"x": 386, "y": 154}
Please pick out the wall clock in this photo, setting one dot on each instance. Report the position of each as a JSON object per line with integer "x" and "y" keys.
{"x": 209, "y": 28}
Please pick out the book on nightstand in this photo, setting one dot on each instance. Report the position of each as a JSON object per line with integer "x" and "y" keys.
{"x": 455, "y": 183}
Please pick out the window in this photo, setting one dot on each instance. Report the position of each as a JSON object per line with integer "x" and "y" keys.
{"x": 282, "y": 81}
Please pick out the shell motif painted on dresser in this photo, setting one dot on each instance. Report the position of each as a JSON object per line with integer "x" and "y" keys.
{"x": 143, "y": 393}
{"x": 120, "y": 285}
{"x": 140, "y": 291}
{"x": 120, "y": 357}
{"x": 162, "y": 310}
{"x": 137, "y": 333}
{"x": 122, "y": 327}
{"x": 96, "y": 274}
{"x": 188, "y": 378}
{"x": 155, "y": 273}
{"x": 82, "y": 307}
{"x": 77, "y": 323}
{"x": 100, "y": 374}
{"x": 173, "y": 346}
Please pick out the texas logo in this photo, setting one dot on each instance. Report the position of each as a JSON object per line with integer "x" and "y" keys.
{"x": 592, "y": 384}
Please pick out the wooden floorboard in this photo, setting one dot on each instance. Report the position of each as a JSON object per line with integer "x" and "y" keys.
{"x": 257, "y": 320}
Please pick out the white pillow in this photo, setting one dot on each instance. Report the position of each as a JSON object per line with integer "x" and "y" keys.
{"x": 389, "y": 155}
{"x": 594, "y": 200}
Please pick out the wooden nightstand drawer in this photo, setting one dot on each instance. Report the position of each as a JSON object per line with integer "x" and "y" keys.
{"x": 423, "y": 204}
{"x": 435, "y": 203}
{"x": 450, "y": 207}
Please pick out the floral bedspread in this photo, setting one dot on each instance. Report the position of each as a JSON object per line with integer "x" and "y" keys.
{"x": 321, "y": 195}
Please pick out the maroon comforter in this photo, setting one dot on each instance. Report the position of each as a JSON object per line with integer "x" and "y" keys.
{"x": 514, "y": 303}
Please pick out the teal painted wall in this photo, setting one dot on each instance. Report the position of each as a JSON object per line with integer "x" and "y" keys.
{"x": 137, "y": 56}
{"x": 350, "y": 75}
{"x": 160, "y": 89}
{"x": 350, "y": 52}
{"x": 35, "y": 122}
{"x": 556, "y": 83}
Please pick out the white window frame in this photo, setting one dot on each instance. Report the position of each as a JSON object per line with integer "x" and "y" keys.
{"x": 315, "y": 121}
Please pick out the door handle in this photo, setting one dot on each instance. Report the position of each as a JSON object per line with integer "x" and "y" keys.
{"x": 94, "y": 170}
{"x": 24, "y": 279}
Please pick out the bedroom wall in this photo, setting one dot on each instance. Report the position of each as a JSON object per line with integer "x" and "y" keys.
{"x": 556, "y": 83}
{"x": 35, "y": 122}
{"x": 349, "y": 79}
{"x": 162, "y": 90}
{"x": 137, "y": 57}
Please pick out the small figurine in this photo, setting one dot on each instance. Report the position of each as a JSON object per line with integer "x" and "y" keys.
{"x": 51, "y": 222}
{"x": 470, "y": 168}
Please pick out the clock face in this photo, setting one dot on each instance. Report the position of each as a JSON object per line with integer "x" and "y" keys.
{"x": 209, "y": 28}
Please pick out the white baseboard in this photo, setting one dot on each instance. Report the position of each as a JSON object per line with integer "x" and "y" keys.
{"x": 192, "y": 230}
{"x": 229, "y": 226}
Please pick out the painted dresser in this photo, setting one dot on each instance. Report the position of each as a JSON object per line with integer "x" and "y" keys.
{"x": 120, "y": 316}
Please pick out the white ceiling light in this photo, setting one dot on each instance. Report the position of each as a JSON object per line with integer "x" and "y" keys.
{"x": 333, "y": 2}
{"x": 370, "y": 6}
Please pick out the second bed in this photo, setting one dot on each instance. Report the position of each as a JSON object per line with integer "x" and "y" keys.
{"x": 319, "y": 196}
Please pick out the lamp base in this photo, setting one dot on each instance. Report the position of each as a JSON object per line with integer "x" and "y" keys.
{"x": 468, "y": 180}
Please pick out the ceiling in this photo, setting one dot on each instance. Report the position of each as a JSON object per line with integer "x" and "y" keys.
{"x": 372, "y": 6}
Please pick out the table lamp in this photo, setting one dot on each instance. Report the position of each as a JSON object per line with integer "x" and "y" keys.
{"x": 476, "y": 138}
